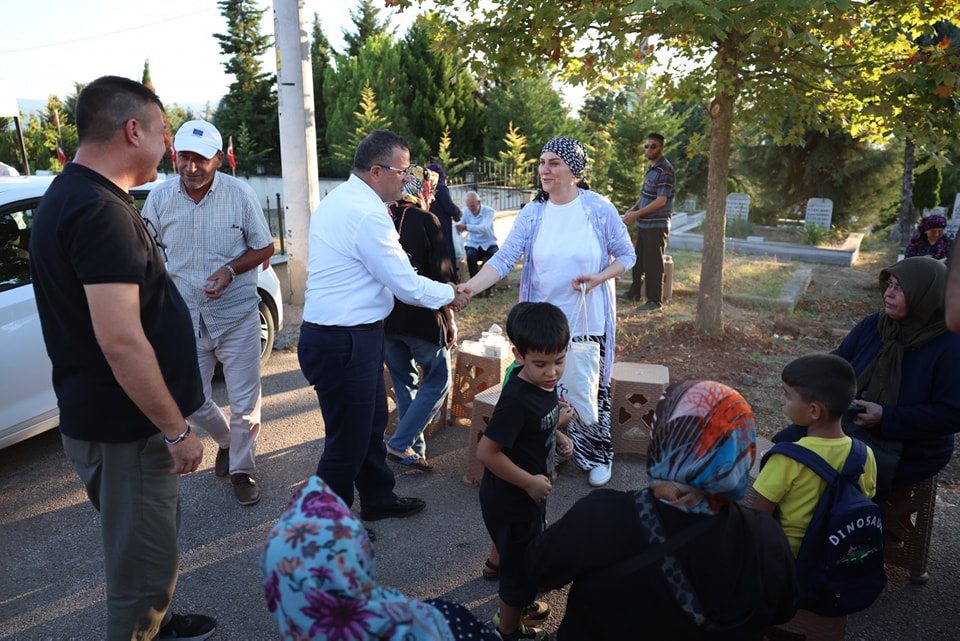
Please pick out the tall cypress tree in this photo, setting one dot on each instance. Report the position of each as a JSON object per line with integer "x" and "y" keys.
{"x": 251, "y": 102}
{"x": 320, "y": 54}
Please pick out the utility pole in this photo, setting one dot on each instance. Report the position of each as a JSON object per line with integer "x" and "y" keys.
{"x": 298, "y": 137}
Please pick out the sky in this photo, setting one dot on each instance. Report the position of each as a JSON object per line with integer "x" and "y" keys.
{"x": 48, "y": 46}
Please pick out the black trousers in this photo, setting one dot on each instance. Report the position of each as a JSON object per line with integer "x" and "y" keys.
{"x": 649, "y": 266}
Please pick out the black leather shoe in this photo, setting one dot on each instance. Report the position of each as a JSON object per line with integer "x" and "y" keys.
{"x": 405, "y": 506}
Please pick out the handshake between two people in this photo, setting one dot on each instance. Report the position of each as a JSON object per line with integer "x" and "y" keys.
{"x": 462, "y": 296}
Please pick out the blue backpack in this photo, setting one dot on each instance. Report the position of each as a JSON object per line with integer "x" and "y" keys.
{"x": 840, "y": 563}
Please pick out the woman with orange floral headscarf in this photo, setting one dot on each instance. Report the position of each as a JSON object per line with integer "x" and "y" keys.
{"x": 731, "y": 575}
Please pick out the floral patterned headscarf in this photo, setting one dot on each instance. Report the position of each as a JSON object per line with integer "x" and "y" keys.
{"x": 703, "y": 439}
{"x": 318, "y": 574}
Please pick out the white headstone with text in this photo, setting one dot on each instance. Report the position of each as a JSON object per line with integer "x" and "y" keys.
{"x": 819, "y": 213}
{"x": 738, "y": 206}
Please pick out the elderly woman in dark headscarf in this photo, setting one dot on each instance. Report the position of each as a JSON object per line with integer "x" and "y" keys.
{"x": 731, "y": 574}
{"x": 930, "y": 240}
{"x": 907, "y": 376}
{"x": 570, "y": 237}
{"x": 318, "y": 571}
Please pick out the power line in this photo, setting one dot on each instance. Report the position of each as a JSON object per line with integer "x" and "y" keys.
{"x": 104, "y": 35}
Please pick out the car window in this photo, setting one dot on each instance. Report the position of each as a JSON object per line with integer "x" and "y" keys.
{"x": 15, "y": 225}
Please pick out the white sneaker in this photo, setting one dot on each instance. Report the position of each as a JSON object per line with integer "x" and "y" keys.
{"x": 601, "y": 475}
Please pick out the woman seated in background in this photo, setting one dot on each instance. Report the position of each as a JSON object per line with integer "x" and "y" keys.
{"x": 318, "y": 571}
{"x": 907, "y": 377}
{"x": 931, "y": 240}
{"x": 732, "y": 576}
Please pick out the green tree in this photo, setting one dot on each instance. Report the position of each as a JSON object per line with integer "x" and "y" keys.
{"x": 440, "y": 95}
{"x": 251, "y": 101}
{"x": 530, "y": 104}
{"x": 860, "y": 178}
{"x": 451, "y": 164}
{"x": 778, "y": 63}
{"x": 377, "y": 67}
{"x": 515, "y": 161}
{"x": 366, "y": 119}
{"x": 368, "y": 25}
{"x": 926, "y": 188}
{"x": 145, "y": 78}
{"x": 320, "y": 57}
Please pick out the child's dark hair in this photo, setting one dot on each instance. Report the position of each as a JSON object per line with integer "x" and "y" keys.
{"x": 540, "y": 327}
{"x": 823, "y": 378}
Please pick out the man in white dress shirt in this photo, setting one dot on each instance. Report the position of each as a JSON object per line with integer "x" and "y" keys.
{"x": 355, "y": 268}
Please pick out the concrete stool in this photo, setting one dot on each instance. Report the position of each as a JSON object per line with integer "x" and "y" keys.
{"x": 908, "y": 515}
{"x": 394, "y": 417}
{"x": 635, "y": 389}
{"x": 483, "y": 404}
{"x": 473, "y": 374}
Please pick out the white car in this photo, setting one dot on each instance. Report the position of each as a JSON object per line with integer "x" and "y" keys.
{"x": 28, "y": 405}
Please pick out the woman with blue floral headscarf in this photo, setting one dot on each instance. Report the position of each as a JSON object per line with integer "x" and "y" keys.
{"x": 318, "y": 571}
{"x": 571, "y": 237}
{"x": 732, "y": 578}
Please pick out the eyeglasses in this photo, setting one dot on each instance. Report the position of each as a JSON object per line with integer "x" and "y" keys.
{"x": 404, "y": 171}
{"x": 649, "y": 146}
{"x": 893, "y": 287}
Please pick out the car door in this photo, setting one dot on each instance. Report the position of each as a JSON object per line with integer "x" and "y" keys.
{"x": 28, "y": 404}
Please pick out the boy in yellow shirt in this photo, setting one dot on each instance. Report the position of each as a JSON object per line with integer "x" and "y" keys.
{"x": 817, "y": 390}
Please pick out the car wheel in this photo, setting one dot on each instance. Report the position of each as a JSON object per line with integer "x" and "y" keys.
{"x": 268, "y": 331}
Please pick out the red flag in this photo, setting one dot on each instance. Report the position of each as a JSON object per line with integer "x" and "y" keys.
{"x": 173, "y": 157}
{"x": 62, "y": 157}
{"x": 230, "y": 158}
{"x": 56, "y": 120}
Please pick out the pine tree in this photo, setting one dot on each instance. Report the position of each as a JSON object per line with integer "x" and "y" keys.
{"x": 320, "y": 53}
{"x": 367, "y": 118}
{"x": 367, "y": 21}
{"x": 251, "y": 101}
{"x": 514, "y": 159}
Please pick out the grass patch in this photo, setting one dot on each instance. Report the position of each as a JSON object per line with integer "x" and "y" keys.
{"x": 757, "y": 276}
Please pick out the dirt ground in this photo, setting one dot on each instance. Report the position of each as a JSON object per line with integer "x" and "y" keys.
{"x": 755, "y": 344}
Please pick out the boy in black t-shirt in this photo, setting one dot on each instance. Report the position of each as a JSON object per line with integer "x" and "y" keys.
{"x": 517, "y": 450}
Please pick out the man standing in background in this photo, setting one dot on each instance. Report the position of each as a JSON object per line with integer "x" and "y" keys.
{"x": 215, "y": 236}
{"x": 652, "y": 214}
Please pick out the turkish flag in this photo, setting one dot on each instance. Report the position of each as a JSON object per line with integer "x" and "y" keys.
{"x": 230, "y": 157}
{"x": 62, "y": 157}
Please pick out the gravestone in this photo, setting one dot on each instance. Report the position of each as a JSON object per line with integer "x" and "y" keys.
{"x": 738, "y": 206}
{"x": 953, "y": 223}
{"x": 819, "y": 213}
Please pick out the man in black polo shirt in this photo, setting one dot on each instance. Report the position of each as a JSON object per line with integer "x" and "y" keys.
{"x": 124, "y": 359}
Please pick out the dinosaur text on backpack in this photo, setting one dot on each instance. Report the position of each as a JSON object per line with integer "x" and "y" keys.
{"x": 840, "y": 563}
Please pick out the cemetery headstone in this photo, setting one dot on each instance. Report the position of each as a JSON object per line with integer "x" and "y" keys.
{"x": 819, "y": 213}
{"x": 738, "y": 206}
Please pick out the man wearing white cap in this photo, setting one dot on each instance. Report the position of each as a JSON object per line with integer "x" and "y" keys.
{"x": 214, "y": 234}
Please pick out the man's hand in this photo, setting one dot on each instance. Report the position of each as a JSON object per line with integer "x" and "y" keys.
{"x": 461, "y": 299}
{"x": 630, "y": 216}
{"x": 217, "y": 282}
{"x": 186, "y": 454}
{"x": 461, "y": 227}
{"x": 451, "y": 331}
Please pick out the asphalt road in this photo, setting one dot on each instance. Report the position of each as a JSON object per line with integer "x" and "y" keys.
{"x": 51, "y": 569}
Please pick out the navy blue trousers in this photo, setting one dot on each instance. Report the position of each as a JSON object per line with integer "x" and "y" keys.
{"x": 345, "y": 367}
